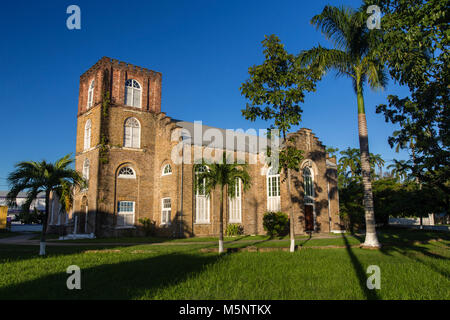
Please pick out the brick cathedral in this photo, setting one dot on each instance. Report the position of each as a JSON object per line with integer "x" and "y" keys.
{"x": 124, "y": 149}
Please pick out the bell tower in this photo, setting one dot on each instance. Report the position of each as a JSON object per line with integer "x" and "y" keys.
{"x": 110, "y": 92}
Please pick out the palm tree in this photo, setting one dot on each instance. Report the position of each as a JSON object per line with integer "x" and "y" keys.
{"x": 349, "y": 161}
{"x": 354, "y": 55}
{"x": 398, "y": 169}
{"x": 36, "y": 177}
{"x": 225, "y": 176}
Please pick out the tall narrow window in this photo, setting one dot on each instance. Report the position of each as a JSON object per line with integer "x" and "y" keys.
{"x": 201, "y": 200}
{"x": 308, "y": 185}
{"x": 132, "y": 133}
{"x": 166, "y": 211}
{"x": 273, "y": 191}
{"x": 86, "y": 166}
{"x": 125, "y": 213}
{"x": 133, "y": 93}
{"x": 91, "y": 94}
{"x": 236, "y": 203}
{"x": 87, "y": 135}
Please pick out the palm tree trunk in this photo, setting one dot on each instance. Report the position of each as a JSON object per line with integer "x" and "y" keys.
{"x": 371, "y": 235}
{"x": 44, "y": 224}
{"x": 221, "y": 222}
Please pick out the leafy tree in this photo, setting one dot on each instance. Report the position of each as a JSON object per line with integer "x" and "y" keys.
{"x": 275, "y": 90}
{"x": 416, "y": 48}
{"x": 355, "y": 56}
{"x": 36, "y": 177}
{"x": 331, "y": 151}
{"x": 223, "y": 175}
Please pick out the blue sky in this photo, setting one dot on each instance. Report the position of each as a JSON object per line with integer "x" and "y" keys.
{"x": 202, "y": 48}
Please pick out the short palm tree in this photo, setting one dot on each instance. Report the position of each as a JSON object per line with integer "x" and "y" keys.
{"x": 354, "y": 55}
{"x": 224, "y": 176}
{"x": 36, "y": 177}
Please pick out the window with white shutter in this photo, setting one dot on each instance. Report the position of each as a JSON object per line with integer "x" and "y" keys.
{"x": 91, "y": 94}
{"x": 133, "y": 93}
{"x": 87, "y": 135}
{"x": 166, "y": 211}
{"x": 132, "y": 133}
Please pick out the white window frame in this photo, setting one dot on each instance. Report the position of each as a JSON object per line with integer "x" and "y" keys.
{"x": 202, "y": 204}
{"x": 166, "y": 212}
{"x": 136, "y": 88}
{"x": 129, "y": 140}
{"x": 126, "y": 176}
{"x": 87, "y": 134}
{"x": 86, "y": 169}
{"x": 126, "y": 215}
{"x": 90, "y": 98}
{"x": 164, "y": 173}
{"x": 273, "y": 191}
{"x": 235, "y": 204}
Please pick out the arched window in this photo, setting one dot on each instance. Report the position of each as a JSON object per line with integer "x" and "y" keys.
{"x": 132, "y": 133}
{"x": 87, "y": 135}
{"x": 127, "y": 173}
{"x": 85, "y": 174}
{"x": 91, "y": 94}
{"x": 308, "y": 185}
{"x": 273, "y": 191}
{"x": 167, "y": 170}
{"x": 202, "y": 201}
{"x": 133, "y": 93}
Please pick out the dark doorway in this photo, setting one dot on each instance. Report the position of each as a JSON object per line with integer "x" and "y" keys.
{"x": 309, "y": 218}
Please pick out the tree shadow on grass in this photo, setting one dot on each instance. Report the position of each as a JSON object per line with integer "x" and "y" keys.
{"x": 14, "y": 252}
{"x": 360, "y": 273}
{"x": 414, "y": 251}
{"x": 304, "y": 242}
{"x": 124, "y": 280}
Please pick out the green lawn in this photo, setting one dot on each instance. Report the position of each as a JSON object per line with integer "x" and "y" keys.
{"x": 419, "y": 271}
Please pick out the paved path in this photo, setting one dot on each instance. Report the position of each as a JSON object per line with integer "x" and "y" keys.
{"x": 25, "y": 239}
{"x": 19, "y": 239}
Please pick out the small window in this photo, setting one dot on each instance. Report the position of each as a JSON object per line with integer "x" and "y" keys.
{"x": 166, "y": 211}
{"x": 127, "y": 173}
{"x": 167, "y": 170}
{"x": 91, "y": 94}
{"x": 125, "y": 213}
{"x": 133, "y": 93}
{"x": 87, "y": 135}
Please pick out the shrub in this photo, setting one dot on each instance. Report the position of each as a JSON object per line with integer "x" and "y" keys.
{"x": 149, "y": 226}
{"x": 30, "y": 216}
{"x": 234, "y": 229}
{"x": 276, "y": 223}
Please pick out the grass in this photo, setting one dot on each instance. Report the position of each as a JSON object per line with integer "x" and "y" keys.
{"x": 143, "y": 271}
